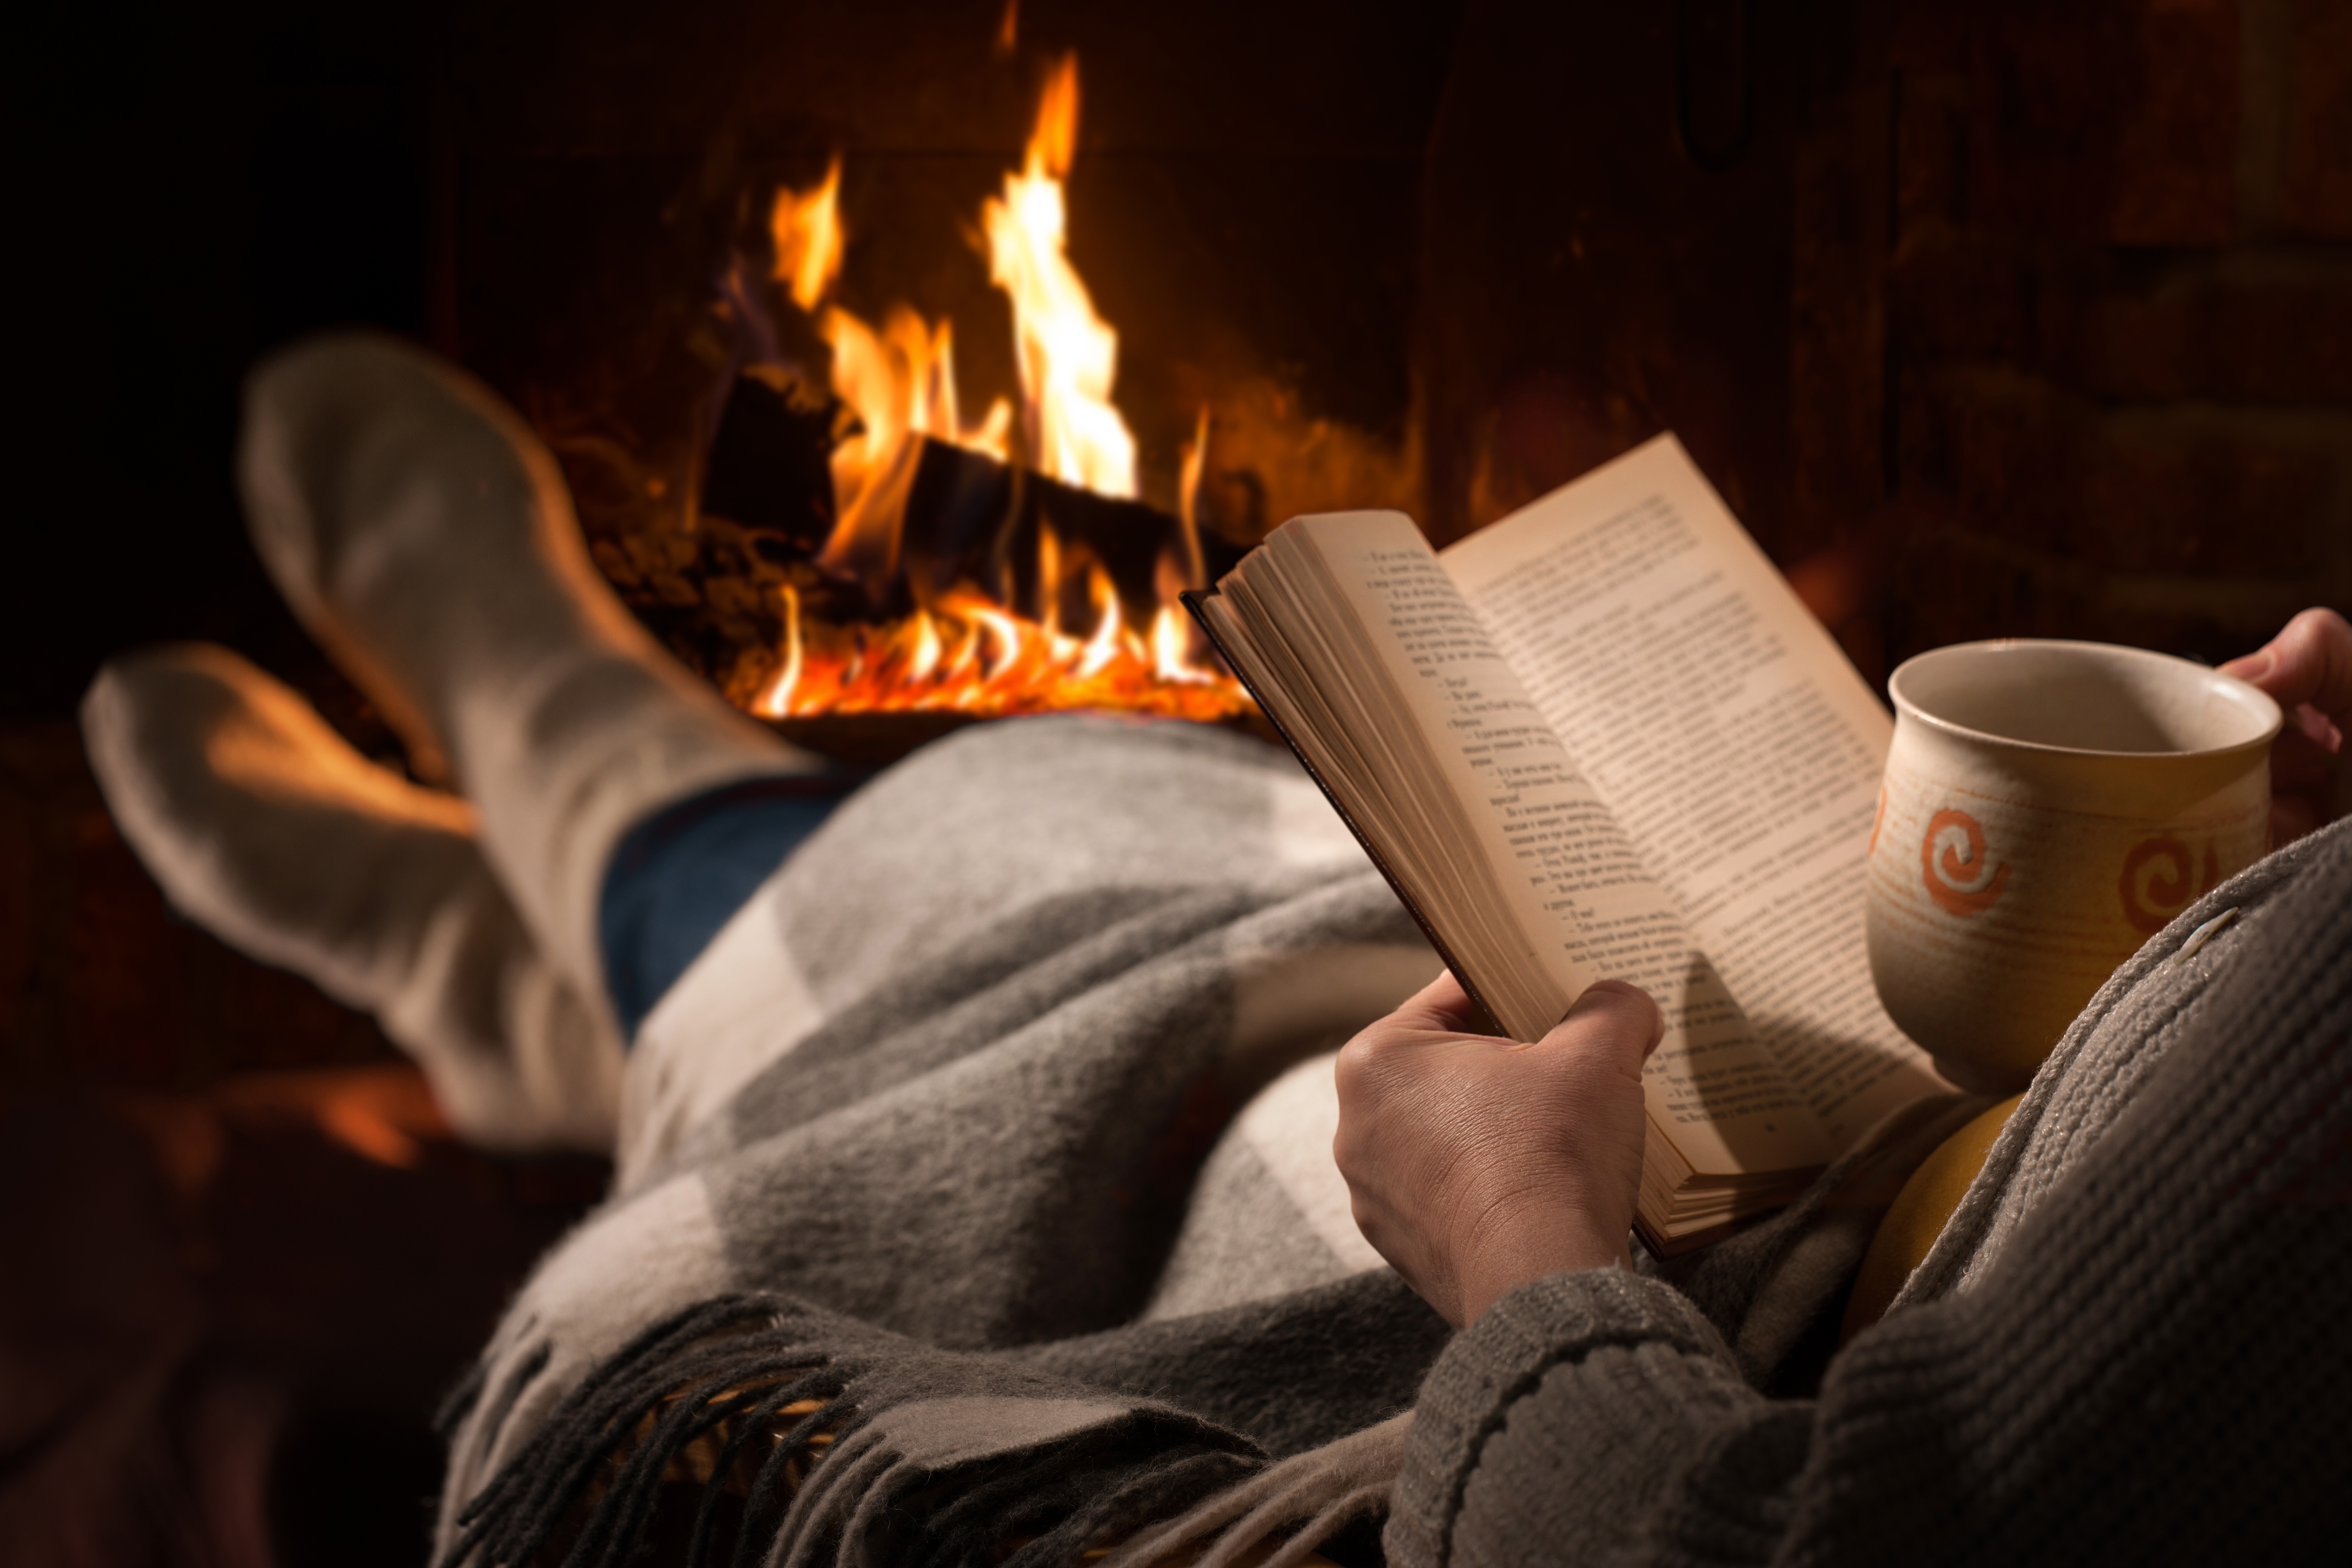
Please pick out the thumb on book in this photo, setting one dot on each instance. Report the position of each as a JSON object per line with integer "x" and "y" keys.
{"x": 1622, "y": 1016}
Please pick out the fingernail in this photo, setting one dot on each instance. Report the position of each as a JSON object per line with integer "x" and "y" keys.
{"x": 2252, "y": 667}
{"x": 1599, "y": 988}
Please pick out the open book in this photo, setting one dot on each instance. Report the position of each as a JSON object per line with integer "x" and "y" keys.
{"x": 1601, "y": 739}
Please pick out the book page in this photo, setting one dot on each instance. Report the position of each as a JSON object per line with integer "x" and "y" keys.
{"x": 1729, "y": 735}
{"x": 1581, "y": 891}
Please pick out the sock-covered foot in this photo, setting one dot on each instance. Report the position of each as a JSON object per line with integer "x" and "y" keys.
{"x": 266, "y": 829}
{"x": 425, "y": 537}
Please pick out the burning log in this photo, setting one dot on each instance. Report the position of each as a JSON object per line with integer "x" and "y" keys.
{"x": 969, "y": 521}
{"x": 972, "y": 519}
{"x": 1002, "y": 591}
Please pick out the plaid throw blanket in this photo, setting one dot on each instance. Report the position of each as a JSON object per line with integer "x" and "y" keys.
{"x": 975, "y": 1198}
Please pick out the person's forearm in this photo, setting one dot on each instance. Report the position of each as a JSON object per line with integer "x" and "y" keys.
{"x": 1560, "y": 1426}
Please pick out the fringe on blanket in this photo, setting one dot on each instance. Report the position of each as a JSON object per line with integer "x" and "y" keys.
{"x": 799, "y": 1438}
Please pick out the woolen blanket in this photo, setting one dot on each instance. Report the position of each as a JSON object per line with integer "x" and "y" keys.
{"x": 938, "y": 1146}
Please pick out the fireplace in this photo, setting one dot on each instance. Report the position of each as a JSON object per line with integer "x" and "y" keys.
{"x": 1243, "y": 231}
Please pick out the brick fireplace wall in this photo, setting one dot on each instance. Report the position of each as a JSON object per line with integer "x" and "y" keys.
{"x": 2010, "y": 318}
{"x": 2107, "y": 323}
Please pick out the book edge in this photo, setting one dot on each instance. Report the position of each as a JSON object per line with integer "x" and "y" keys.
{"x": 1192, "y": 600}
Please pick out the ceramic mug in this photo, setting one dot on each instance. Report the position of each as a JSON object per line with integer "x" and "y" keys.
{"x": 2047, "y": 807}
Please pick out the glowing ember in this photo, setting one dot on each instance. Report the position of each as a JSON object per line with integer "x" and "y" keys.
{"x": 968, "y": 654}
{"x": 961, "y": 650}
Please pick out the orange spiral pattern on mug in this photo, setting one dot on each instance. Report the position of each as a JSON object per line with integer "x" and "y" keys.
{"x": 2166, "y": 885}
{"x": 1957, "y": 880}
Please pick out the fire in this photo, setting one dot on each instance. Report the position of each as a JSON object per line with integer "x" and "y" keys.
{"x": 809, "y": 245}
{"x": 961, "y": 649}
{"x": 901, "y": 383}
{"x": 968, "y": 654}
{"x": 1068, "y": 355}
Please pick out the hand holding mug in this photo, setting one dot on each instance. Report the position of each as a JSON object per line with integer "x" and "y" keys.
{"x": 2307, "y": 670}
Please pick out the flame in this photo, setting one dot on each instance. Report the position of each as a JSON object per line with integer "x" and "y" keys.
{"x": 967, "y": 652}
{"x": 901, "y": 384}
{"x": 776, "y": 697}
{"x": 1104, "y": 646}
{"x": 1067, "y": 354}
{"x": 1173, "y": 635}
{"x": 960, "y": 649}
{"x": 806, "y": 228}
{"x": 1188, "y": 505}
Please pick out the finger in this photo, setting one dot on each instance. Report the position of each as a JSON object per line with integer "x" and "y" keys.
{"x": 1618, "y": 1018}
{"x": 2310, "y": 661}
{"x": 1441, "y": 1006}
{"x": 2305, "y": 721}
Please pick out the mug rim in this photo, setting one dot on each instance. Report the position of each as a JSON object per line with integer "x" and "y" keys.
{"x": 1906, "y": 708}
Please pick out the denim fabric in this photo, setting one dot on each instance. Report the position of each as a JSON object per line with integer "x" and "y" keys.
{"x": 681, "y": 873}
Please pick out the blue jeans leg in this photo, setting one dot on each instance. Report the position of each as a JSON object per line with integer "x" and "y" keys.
{"x": 682, "y": 873}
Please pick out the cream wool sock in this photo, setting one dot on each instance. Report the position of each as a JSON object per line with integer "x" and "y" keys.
{"x": 425, "y": 536}
{"x": 264, "y": 827}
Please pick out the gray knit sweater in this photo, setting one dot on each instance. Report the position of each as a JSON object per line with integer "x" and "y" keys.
{"x": 2132, "y": 1342}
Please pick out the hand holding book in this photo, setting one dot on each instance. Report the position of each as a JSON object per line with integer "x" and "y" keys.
{"x": 1525, "y": 1163}
{"x": 1602, "y": 738}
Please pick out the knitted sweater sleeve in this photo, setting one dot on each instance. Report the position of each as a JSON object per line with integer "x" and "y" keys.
{"x": 2153, "y": 1367}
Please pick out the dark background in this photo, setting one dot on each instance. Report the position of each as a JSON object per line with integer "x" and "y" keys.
{"x": 2002, "y": 318}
